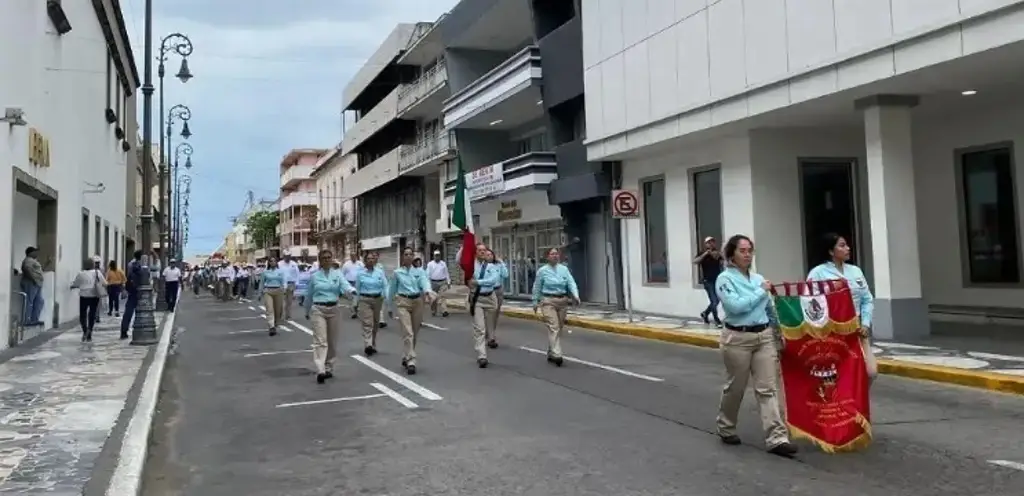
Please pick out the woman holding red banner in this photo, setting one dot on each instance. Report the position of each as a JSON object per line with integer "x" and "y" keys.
{"x": 837, "y": 266}
{"x": 748, "y": 348}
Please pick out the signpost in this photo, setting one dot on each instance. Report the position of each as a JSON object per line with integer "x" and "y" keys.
{"x": 626, "y": 206}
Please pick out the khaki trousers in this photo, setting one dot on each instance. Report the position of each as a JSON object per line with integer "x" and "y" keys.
{"x": 224, "y": 289}
{"x": 289, "y": 297}
{"x": 555, "y": 310}
{"x": 499, "y": 298}
{"x": 746, "y": 355}
{"x": 369, "y": 309}
{"x": 273, "y": 299}
{"x": 353, "y": 306}
{"x": 326, "y": 328}
{"x": 483, "y": 322}
{"x": 410, "y": 314}
{"x": 439, "y": 304}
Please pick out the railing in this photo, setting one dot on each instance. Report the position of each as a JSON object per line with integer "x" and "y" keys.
{"x": 415, "y": 91}
{"x": 426, "y": 150}
{"x": 524, "y": 64}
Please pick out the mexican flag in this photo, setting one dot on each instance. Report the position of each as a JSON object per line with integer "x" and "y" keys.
{"x": 824, "y": 376}
{"x": 462, "y": 218}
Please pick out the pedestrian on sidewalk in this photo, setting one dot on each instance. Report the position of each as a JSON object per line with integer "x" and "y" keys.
{"x": 554, "y": 289}
{"x": 290, "y": 269}
{"x": 32, "y": 286}
{"x": 326, "y": 287}
{"x": 837, "y": 266}
{"x": 710, "y": 263}
{"x": 410, "y": 286}
{"x": 748, "y": 348}
{"x": 483, "y": 303}
{"x": 440, "y": 281}
{"x": 371, "y": 293}
{"x": 272, "y": 290}
{"x": 115, "y": 286}
{"x": 499, "y": 297}
{"x": 132, "y": 288}
{"x": 349, "y": 270}
{"x": 172, "y": 283}
{"x": 91, "y": 286}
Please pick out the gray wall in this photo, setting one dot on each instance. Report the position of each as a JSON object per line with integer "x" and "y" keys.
{"x": 561, "y": 54}
{"x": 392, "y": 209}
{"x": 479, "y": 148}
{"x": 465, "y": 65}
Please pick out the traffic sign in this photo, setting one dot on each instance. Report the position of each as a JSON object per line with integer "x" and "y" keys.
{"x": 625, "y": 204}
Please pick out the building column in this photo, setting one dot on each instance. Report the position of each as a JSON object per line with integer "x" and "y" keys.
{"x": 900, "y": 310}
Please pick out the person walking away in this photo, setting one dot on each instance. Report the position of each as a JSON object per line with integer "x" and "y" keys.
{"x": 499, "y": 297}
{"x": 748, "y": 348}
{"x": 371, "y": 293}
{"x": 91, "y": 286}
{"x": 483, "y": 303}
{"x": 409, "y": 288}
{"x": 272, "y": 289}
{"x": 172, "y": 283}
{"x": 554, "y": 289}
{"x": 244, "y": 278}
{"x": 115, "y": 287}
{"x": 349, "y": 270}
{"x": 132, "y": 289}
{"x": 440, "y": 281}
{"x": 326, "y": 287}
{"x": 32, "y": 286}
{"x": 290, "y": 269}
{"x": 710, "y": 263}
{"x": 837, "y": 266}
{"x": 302, "y": 284}
{"x": 225, "y": 278}
{"x": 196, "y": 279}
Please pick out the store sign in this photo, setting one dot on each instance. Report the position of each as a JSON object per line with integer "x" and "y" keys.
{"x": 486, "y": 181}
{"x": 509, "y": 211}
{"x": 38, "y": 148}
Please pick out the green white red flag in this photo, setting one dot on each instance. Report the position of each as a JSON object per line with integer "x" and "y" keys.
{"x": 462, "y": 218}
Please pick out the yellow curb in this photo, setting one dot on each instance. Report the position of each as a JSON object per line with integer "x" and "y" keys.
{"x": 971, "y": 378}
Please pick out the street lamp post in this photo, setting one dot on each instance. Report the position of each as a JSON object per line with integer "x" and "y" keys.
{"x": 185, "y": 114}
{"x": 186, "y": 150}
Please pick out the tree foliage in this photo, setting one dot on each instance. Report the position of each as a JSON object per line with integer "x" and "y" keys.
{"x": 262, "y": 228}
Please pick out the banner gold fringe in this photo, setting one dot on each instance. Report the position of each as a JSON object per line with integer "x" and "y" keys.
{"x": 860, "y": 442}
{"x": 804, "y": 329}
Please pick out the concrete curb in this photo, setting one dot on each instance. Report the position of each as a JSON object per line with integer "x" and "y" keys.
{"x": 127, "y": 477}
{"x": 948, "y": 375}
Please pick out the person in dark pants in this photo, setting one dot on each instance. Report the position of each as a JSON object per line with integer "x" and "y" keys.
{"x": 710, "y": 262}
{"x": 131, "y": 289}
{"x": 172, "y": 283}
{"x": 91, "y": 286}
{"x": 115, "y": 285}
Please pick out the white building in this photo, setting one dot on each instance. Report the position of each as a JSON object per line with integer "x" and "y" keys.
{"x": 297, "y": 205}
{"x": 68, "y": 68}
{"x": 336, "y": 216}
{"x": 891, "y": 122}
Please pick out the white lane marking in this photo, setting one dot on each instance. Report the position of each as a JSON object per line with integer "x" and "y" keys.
{"x": 433, "y": 326}
{"x": 283, "y": 327}
{"x": 263, "y": 308}
{"x": 598, "y": 365}
{"x": 394, "y": 395}
{"x": 301, "y": 327}
{"x": 331, "y": 400}
{"x": 242, "y": 318}
{"x": 1008, "y": 464}
{"x": 248, "y": 331}
{"x": 995, "y": 356}
{"x": 252, "y": 308}
{"x": 269, "y": 353}
{"x": 410, "y": 385}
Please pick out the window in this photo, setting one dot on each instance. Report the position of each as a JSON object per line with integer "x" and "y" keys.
{"x": 655, "y": 231}
{"x": 989, "y": 217}
{"x": 707, "y": 206}
{"x": 106, "y": 244}
{"x": 96, "y": 238}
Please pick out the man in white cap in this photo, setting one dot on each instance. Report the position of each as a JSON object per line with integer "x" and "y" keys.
{"x": 440, "y": 280}
{"x": 710, "y": 261}
{"x": 172, "y": 282}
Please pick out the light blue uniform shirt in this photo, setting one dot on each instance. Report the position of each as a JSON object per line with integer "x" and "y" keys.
{"x": 372, "y": 282}
{"x": 863, "y": 300}
{"x": 745, "y": 302}
{"x": 409, "y": 281}
{"x": 272, "y": 278}
{"x": 504, "y": 274}
{"x": 328, "y": 286}
{"x": 554, "y": 281}
{"x": 489, "y": 279}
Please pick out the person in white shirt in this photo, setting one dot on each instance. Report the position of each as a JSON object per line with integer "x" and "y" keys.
{"x": 172, "y": 282}
{"x": 92, "y": 287}
{"x": 290, "y": 269}
{"x": 350, "y": 270}
{"x": 225, "y": 278}
{"x": 440, "y": 280}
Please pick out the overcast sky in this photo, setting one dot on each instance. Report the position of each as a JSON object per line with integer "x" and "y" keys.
{"x": 268, "y": 78}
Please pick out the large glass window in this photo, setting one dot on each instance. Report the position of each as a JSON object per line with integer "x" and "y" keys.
{"x": 707, "y": 207}
{"x": 655, "y": 232}
{"x": 990, "y": 217}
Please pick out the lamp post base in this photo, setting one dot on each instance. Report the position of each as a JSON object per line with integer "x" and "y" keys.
{"x": 144, "y": 332}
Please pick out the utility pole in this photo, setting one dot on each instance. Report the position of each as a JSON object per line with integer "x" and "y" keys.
{"x": 144, "y": 329}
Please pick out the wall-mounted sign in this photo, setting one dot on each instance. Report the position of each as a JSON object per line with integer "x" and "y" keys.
{"x": 38, "y": 148}
{"x": 509, "y": 211}
{"x": 486, "y": 181}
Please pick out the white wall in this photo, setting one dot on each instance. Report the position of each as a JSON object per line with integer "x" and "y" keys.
{"x": 533, "y": 203}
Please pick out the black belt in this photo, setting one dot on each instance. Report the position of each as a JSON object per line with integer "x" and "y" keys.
{"x": 750, "y": 328}
{"x": 486, "y": 294}
{"x": 328, "y": 304}
{"x": 439, "y": 280}
{"x": 411, "y": 296}
{"x": 560, "y": 295}
{"x": 368, "y": 295}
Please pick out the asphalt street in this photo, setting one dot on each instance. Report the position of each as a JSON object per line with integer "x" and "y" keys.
{"x": 241, "y": 414}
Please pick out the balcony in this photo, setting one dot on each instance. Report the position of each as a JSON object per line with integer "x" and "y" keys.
{"x": 424, "y": 98}
{"x": 303, "y": 252}
{"x": 529, "y": 170}
{"x": 335, "y": 224}
{"x": 292, "y": 176}
{"x": 505, "y": 97}
{"x": 296, "y": 225}
{"x": 298, "y": 199}
{"x": 374, "y": 120}
{"x": 378, "y": 173}
{"x": 421, "y": 158}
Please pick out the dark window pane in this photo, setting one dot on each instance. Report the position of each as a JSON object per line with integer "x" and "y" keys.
{"x": 991, "y": 217}
{"x": 655, "y": 236}
{"x": 707, "y": 207}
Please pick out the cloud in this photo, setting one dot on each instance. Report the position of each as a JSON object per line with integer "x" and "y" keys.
{"x": 268, "y": 78}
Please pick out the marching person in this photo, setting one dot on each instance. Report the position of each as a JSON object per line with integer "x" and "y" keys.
{"x": 710, "y": 263}
{"x": 272, "y": 288}
{"x": 302, "y": 283}
{"x": 440, "y": 280}
{"x": 483, "y": 303}
{"x": 553, "y": 291}
{"x": 748, "y": 348}
{"x": 172, "y": 283}
{"x": 499, "y": 297}
{"x": 290, "y": 269}
{"x": 837, "y": 266}
{"x": 326, "y": 287}
{"x": 225, "y": 280}
{"x": 409, "y": 288}
{"x": 349, "y": 270}
{"x": 371, "y": 293}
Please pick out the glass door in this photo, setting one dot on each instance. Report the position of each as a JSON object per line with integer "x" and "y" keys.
{"x": 503, "y": 249}
{"x": 525, "y": 263}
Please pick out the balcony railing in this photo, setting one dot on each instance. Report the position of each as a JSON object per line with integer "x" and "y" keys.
{"x": 522, "y": 171}
{"x": 428, "y": 83}
{"x": 377, "y": 173}
{"x": 296, "y": 174}
{"x": 379, "y": 116}
{"x": 431, "y": 149}
{"x": 494, "y": 93}
{"x": 298, "y": 199}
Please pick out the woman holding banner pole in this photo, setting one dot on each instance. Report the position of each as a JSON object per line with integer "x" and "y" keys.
{"x": 748, "y": 348}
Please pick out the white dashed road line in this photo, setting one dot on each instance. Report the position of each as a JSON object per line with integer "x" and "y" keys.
{"x": 270, "y": 353}
{"x": 248, "y": 331}
{"x": 243, "y": 318}
{"x": 598, "y": 365}
{"x": 331, "y": 400}
{"x": 433, "y": 326}
{"x": 394, "y": 395}
{"x": 1008, "y": 464}
{"x": 301, "y": 327}
{"x": 410, "y": 385}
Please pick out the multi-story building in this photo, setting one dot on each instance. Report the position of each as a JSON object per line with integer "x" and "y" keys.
{"x": 891, "y": 124}
{"x": 69, "y": 85}
{"x": 336, "y": 215}
{"x": 297, "y": 205}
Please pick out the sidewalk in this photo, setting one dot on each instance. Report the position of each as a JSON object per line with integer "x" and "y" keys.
{"x": 60, "y": 400}
{"x": 992, "y": 371}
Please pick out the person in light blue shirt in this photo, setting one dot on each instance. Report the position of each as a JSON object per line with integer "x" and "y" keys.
{"x": 748, "y": 347}
{"x": 272, "y": 290}
{"x": 837, "y": 266}
{"x": 499, "y": 297}
{"x": 372, "y": 286}
{"x": 326, "y": 287}
{"x": 554, "y": 289}
{"x": 483, "y": 303}
{"x": 409, "y": 287}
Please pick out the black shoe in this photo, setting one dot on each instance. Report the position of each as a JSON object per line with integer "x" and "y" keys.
{"x": 124, "y": 336}
{"x": 273, "y": 331}
{"x": 354, "y": 316}
{"x": 785, "y": 450}
{"x": 444, "y": 314}
{"x": 704, "y": 317}
{"x": 320, "y": 378}
{"x": 555, "y": 360}
{"x": 405, "y": 362}
{"x": 84, "y": 337}
{"x": 369, "y": 351}
{"x": 329, "y": 375}
{"x": 481, "y": 362}
{"x": 410, "y": 370}
{"x": 732, "y": 440}
{"x": 382, "y": 325}
{"x": 492, "y": 344}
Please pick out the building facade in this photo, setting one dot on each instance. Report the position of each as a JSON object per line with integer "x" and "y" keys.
{"x": 68, "y": 89}
{"x": 889, "y": 123}
{"x": 336, "y": 215}
{"x": 298, "y": 202}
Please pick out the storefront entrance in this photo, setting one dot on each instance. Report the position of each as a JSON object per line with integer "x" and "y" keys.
{"x": 523, "y": 248}
{"x": 827, "y": 198}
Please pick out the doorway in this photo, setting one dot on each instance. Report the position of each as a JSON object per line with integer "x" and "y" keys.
{"x": 827, "y": 200}
{"x": 519, "y": 254}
